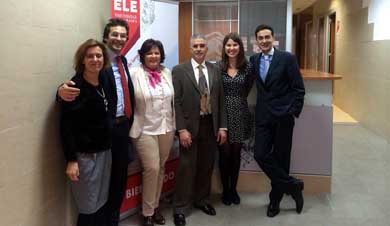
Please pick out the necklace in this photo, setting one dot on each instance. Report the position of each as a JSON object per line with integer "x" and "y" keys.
{"x": 103, "y": 95}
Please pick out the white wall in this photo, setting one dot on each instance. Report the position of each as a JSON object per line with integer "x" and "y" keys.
{"x": 362, "y": 60}
{"x": 38, "y": 41}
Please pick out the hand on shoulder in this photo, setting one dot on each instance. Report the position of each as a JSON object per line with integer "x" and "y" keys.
{"x": 67, "y": 92}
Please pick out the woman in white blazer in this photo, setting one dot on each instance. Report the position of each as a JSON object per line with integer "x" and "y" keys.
{"x": 154, "y": 124}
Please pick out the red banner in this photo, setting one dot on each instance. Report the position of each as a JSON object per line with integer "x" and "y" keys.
{"x": 170, "y": 174}
{"x": 128, "y": 10}
{"x": 133, "y": 194}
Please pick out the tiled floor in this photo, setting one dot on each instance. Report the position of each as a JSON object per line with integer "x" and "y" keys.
{"x": 360, "y": 191}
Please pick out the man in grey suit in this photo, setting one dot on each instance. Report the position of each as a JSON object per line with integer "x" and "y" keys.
{"x": 201, "y": 124}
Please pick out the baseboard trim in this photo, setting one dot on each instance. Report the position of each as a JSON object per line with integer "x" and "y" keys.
{"x": 258, "y": 182}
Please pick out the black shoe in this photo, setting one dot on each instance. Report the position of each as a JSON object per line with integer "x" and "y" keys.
{"x": 273, "y": 209}
{"x": 113, "y": 216}
{"x": 235, "y": 198}
{"x": 226, "y": 199}
{"x": 207, "y": 209}
{"x": 148, "y": 221}
{"x": 179, "y": 219}
{"x": 158, "y": 218}
{"x": 297, "y": 195}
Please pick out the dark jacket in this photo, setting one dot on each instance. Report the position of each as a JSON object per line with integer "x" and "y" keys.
{"x": 108, "y": 82}
{"x": 283, "y": 91}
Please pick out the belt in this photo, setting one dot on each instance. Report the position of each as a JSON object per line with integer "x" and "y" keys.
{"x": 120, "y": 119}
{"x": 205, "y": 116}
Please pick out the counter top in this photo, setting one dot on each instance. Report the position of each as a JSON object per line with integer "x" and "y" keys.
{"x": 318, "y": 75}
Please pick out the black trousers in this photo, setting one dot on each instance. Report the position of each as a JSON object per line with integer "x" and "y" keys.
{"x": 122, "y": 155}
{"x": 95, "y": 219}
{"x": 273, "y": 141}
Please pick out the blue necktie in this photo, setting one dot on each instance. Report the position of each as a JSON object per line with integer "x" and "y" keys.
{"x": 264, "y": 65}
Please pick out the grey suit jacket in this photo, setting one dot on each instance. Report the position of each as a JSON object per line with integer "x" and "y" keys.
{"x": 187, "y": 98}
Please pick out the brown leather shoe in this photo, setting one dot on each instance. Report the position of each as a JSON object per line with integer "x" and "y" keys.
{"x": 158, "y": 218}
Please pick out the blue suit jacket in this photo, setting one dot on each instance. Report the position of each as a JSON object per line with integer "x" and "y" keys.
{"x": 283, "y": 91}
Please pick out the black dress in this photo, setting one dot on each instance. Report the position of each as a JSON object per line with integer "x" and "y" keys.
{"x": 236, "y": 90}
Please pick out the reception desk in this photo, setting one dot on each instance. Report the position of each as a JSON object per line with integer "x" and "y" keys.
{"x": 311, "y": 157}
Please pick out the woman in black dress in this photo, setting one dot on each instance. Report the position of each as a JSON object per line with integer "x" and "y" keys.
{"x": 237, "y": 82}
{"x": 86, "y": 135}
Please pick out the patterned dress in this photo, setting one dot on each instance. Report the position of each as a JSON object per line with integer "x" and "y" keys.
{"x": 236, "y": 90}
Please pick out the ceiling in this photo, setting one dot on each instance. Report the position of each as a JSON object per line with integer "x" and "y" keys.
{"x": 300, "y": 5}
{"x": 297, "y": 5}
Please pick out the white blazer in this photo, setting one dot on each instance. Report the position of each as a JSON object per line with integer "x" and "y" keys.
{"x": 139, "y": 78}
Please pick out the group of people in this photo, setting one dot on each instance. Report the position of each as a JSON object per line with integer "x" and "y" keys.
{"x": 107, "y": 111}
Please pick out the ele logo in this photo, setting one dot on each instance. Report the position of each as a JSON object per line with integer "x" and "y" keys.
{"x": 126, "y": 6}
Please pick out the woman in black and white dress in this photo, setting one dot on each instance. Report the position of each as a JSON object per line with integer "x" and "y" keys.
{"x": 237, "y": 82}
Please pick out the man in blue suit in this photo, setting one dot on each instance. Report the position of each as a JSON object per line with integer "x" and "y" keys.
{"x": 280, "y": 96}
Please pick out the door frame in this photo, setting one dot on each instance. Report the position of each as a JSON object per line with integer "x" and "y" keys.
{"x": 328, "y": 38}
{"x": 308, "y": 42}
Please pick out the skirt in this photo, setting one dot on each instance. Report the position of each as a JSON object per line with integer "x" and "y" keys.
{"x": 91, "y": 190}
